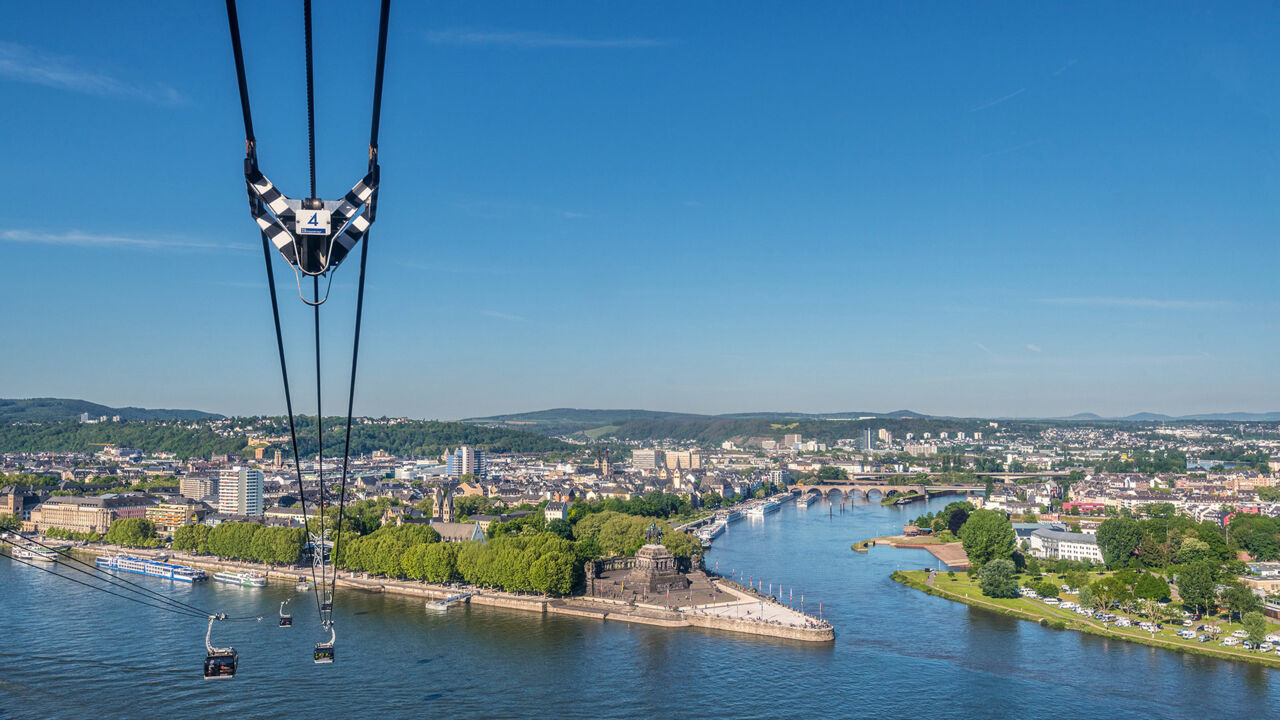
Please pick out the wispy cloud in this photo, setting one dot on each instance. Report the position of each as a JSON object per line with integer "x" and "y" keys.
{"x": 1034, "y": 348}
{"x": 26, "y": 64}
{"x": 1014, "y": 148}
{"x": 984, "y": 349}
{"x": 75, "y": 238}
{"x": 1140, "y": 302}
{"x": 533, "y": 40}
{"x": 997, "y": 101}
{"x": 1064, "y": 68}
{"x": 502, "y": 316}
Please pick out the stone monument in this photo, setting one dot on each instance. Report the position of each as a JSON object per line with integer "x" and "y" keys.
{"x": 655, "y": 570}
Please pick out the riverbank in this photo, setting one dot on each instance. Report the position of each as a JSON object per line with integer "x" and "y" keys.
{"x": 967, "y": 592}
{"x": 772, "y": 620}
{"x": 950, "y": 554}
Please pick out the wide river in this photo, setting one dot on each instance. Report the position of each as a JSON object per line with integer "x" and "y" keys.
{"x": 69, "y": 652}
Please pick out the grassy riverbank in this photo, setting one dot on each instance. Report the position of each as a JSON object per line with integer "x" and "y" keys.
{"x": 964, "y": 590}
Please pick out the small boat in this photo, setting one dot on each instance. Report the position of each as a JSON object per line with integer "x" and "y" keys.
{"x": 243, "y": 578}
{"x": 303, "y": 585}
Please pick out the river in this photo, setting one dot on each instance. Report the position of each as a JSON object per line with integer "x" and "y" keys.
{"x": 69, "y": 652}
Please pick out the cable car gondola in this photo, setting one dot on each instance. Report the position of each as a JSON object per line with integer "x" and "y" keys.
{"x": 285, "y": 620}
{"x": 324, "y": 651}
{"x": 219, "y": 663}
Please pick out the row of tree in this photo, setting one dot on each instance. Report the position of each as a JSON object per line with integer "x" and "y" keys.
{"x": 133, "y": 532}
{"x": 241, "y": 541}
{"x": 543, "y": 562}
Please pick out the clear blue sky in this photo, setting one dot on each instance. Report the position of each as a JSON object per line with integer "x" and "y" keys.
{"x": 976, "y": 209}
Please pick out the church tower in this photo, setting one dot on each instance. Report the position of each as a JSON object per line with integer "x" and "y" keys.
{"x": 442, "y": 502}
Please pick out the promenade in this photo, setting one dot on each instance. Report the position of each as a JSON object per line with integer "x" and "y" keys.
{"x": 739, "y": 614}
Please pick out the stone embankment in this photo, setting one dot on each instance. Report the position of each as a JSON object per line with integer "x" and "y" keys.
{"x": 727, "y": 616}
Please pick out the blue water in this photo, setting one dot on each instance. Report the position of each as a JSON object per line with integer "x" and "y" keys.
{"x": 68, "y": 652}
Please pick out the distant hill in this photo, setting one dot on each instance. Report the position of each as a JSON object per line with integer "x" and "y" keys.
{"x": 653, "y": 425}
{"x": 571, "y": 421}
{"x": 649, "y": 425}
{"x": 58, "y": 409}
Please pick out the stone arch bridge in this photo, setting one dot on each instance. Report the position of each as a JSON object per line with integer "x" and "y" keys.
{"x": 885, "y": 491}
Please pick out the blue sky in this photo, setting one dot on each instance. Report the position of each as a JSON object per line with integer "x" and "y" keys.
{"x": 974, "y": 209}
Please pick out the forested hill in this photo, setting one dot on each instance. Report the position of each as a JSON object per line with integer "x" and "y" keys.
{"x": 715, "y": 430}
{"x": 57, "y": 409}
{"x": 592, "y": 424}
{"x": 202, "y": 439}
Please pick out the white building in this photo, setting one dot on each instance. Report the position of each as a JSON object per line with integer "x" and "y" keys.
{"x": 240, "y": 491}
{"x": 1057, "y": 545}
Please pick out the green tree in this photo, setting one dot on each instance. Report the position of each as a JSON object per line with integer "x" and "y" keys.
{"x": 9, "y": 523}
{"x": 1192, "y": 550}
{"x": 424, "y": 505}
{"x": 681, "y": 544}
{"x": 1118, "y": 538}
{"x": 441, "y": 562}
{"x": 831, "y": 472}
{"x": 1196, "y": 586}
{"x": 192, "y": 539}
{"x": 133, "y": 532}
{"x": 995, "y": 579}
{"x": 987, "y": 535}
{"x": 233, "y": 540}
{"x": 1151, "y": 587}
{"x": 561, "y": 528}
{"x": 1256, "y": 625}
{"x": 1239, "y": 599}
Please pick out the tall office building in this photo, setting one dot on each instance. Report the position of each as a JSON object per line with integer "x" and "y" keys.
{"x": 240, "y": 491}
{"x": 198, "y": 487}
{"x": 865, "y": 442}
{"x": 646, "y": 459}
{"x": 465, "y": 461}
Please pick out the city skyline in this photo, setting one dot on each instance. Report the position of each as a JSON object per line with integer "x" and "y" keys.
{"x": 1023, "y": 212}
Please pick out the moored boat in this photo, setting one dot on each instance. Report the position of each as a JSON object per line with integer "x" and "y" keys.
{"x": 243, "y": 578}
{"x": 154, "y": 568}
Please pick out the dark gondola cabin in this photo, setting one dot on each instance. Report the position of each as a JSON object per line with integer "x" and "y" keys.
{"x": 221, "y": 665}
{"x": 286, "y": 621}
{"x": 324, "y": 652}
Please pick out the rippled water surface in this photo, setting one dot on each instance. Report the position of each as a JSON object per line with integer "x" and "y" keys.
{"x": 69, "y": 652}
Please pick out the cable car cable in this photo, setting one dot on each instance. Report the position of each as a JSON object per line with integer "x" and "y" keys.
{"x": 111, "y": 579}
{"x": 188, "y": 613}
{"x": 251, "y": 160}
{"x": 374, "y": 122}
{"x": 302, "y": 249}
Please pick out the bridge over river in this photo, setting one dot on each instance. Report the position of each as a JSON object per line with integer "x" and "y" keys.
{"x": 885, "y": 490}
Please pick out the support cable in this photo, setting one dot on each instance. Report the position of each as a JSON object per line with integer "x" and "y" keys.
{"x": 374, "y": 123}
{"x": 130, "y": 598}
{"x": 104, "y": 576}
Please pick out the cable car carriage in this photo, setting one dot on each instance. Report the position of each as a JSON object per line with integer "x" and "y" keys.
{"x": 285, "y": 620}
{"x": 219, "y": 663}
{"x": 324, "y": 651}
